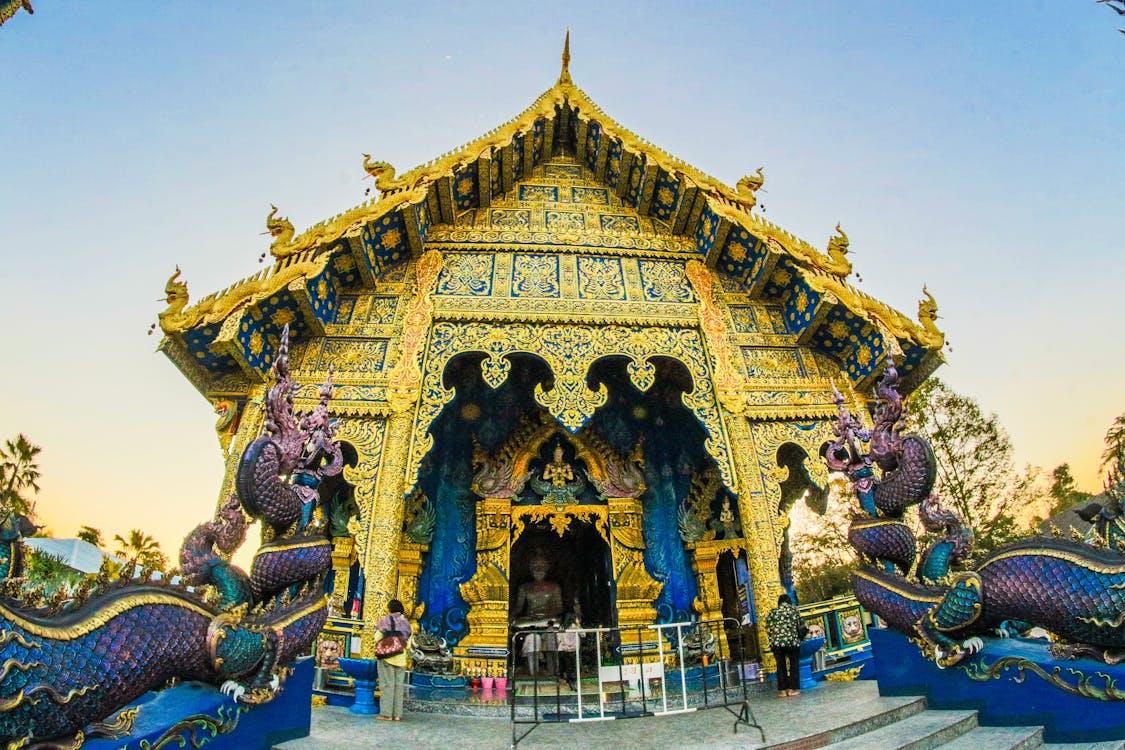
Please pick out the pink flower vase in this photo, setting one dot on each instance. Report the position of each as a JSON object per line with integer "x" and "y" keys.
{"x": 501, "y": 685}
{"x": 486, "y": 683}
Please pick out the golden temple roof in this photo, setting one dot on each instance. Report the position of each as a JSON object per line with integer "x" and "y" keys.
{"x": 719, "y": 220}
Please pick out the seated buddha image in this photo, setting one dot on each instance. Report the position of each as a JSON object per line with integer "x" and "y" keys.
{"x": 538, "y": 601}
{"x": 559, "y": 482}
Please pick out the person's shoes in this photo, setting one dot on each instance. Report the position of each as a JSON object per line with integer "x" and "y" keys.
{"x": 380, "y": 717}
{"x": 396, "y": 718}
{"x": 794, "y": 693}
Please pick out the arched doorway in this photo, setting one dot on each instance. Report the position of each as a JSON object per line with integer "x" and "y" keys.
{"x": 797, "y": 486}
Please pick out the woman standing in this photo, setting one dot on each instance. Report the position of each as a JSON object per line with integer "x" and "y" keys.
{"x": 392, "y": 668}
{"x": 784, "y": 627}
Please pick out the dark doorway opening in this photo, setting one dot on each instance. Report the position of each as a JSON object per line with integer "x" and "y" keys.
{"x": 580, "y": 564}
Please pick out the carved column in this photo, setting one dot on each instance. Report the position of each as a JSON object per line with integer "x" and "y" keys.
{"x": 486, "y": 592}
{"x": 384, "y": 527}
{"x": 704, "y": 563}
{"x": 343, "y": 555}
{"x": 758, "y": 522}
{"x": 636, "y": 589}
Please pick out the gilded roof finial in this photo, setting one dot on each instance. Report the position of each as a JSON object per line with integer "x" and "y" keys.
{"x": 564, "y": 76}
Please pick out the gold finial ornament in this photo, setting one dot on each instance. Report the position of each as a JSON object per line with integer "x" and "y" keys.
{"x": 383, "y": 174}
{"x": 564, "y": 76}
{"x": 749, "y": 185}
{"x": 927, "y": 316}
{"x": 838, "y": 246}
{"x": 280, "y": 228}
{"x": 176, "y": 295}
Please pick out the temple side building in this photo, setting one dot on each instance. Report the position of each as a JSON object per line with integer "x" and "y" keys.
{"x": 559, "y": 343}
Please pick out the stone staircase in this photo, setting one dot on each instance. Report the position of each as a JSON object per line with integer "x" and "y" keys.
{"x": 915, "y": 727}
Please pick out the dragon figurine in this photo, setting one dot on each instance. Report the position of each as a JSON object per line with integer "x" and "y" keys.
{"x": 66, "y": 667}
{"x": 1074, "y": 590}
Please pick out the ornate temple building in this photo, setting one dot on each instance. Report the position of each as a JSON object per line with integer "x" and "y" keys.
{"x": 556, "y": 343}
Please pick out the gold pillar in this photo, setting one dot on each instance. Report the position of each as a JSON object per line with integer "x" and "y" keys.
{"x": 343, "y": 555}
{"x": 704, "y": 563}
{"x": 486, "y": 592}
{"x": 636, "y": 589}
{"x": 384, "y": 527}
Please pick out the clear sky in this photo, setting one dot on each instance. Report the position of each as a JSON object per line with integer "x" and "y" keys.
{"x": 976, "y": 147}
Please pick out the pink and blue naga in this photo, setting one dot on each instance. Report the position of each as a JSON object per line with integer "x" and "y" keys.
{"x": 1074, "y": 590}
{"x": 68, "y": 664}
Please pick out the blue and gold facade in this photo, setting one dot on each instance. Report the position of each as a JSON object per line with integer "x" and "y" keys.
{"x": 558, "y": 272}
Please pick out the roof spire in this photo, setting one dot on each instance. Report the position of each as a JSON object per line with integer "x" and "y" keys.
{"x": 564, "y": 76}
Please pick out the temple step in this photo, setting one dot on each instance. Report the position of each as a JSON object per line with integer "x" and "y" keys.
{"x": 923, "y": 731}
{"x": 998, "y": 738}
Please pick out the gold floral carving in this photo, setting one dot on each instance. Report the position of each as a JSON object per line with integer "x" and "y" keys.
{"x": 406, "y": 376}
{"x": 728, "y": 380}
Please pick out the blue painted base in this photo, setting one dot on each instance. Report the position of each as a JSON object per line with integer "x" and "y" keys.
{"x": 199, "y": 712}
{"x": 1012, "y": 698}
{"x": 365, "y": 703}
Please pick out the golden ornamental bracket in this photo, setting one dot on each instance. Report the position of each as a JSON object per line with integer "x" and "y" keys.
{"x": 728, "y": 380}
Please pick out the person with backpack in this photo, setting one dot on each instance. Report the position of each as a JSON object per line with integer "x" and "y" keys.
{"x": 392, "y": 633}
{"x": 786, "y": 630}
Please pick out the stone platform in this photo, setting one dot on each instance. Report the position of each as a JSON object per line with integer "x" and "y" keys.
{"x": 850, "y": 715}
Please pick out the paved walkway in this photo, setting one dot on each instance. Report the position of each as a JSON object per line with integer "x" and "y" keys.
{"x": 827, "y": 707}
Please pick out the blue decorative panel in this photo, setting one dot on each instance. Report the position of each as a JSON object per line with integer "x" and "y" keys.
{"x": 323, "y": 293}
{"x": 342, "y": 266}
{"x": 636, "y": 177}
{"x": 743, "y": 256}
{"x": 912, "y": 356}
{"x": 539, "y": 193}
{"x": 851, "y": 339}
{"x": 663, "y": 281}
{"x": 422, "y": 214}
{"x": 198, "y": 340}
{"x": 777, "y": 288}
{"x": 345, "y": 306}
{"x": 353, "y": 357}
{"x": 613, "y": 163}
{"x": 562, "y": 221}
{"x": 800, "y": 306}
{"x": 382, "y": 311}
{"x": 593, "y": 140}
{"x": 465, "y": 187}
{"x": 494, "y": 181}
{"x": 384, "y": 242}
{"x": 257, "y": 341}
{"x": 537, "y": 141}
{"x": 600, "y": 278}
{"x": 535, "y": 276}
{"x": 772, "y": 317}
{"x": 665, "y": 196}
{"x": 619, "y": 223}
{"x": 510, "y": 218}
{"x": 596, "y": 196}
{"x": 706, "y": 230}
{"x": 517, "y": 155}
{"x": 743, "y": 318}
{"x": 468, "y": 275}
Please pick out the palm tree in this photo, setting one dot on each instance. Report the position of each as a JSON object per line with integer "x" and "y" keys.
{"x": 91, "y": 535}
{"x": 18, "y": 472}
{"x": 140, "y": 548}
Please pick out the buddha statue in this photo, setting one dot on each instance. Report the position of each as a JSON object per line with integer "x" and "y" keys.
{"x": 539, "y": 605}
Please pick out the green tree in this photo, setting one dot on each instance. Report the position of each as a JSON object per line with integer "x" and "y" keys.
{"x": 1064, "y": 490}
{"x": 19, "y": 473}
{"x": 141, "y": 549}
{"x": 91, "y": 535}
{"x": 1113, "y": 460}
{"x": 977, "y": 477}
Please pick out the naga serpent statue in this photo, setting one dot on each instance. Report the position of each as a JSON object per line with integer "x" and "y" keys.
{"x": 1074, "y": 590}
{"x": 66, "y": 665}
